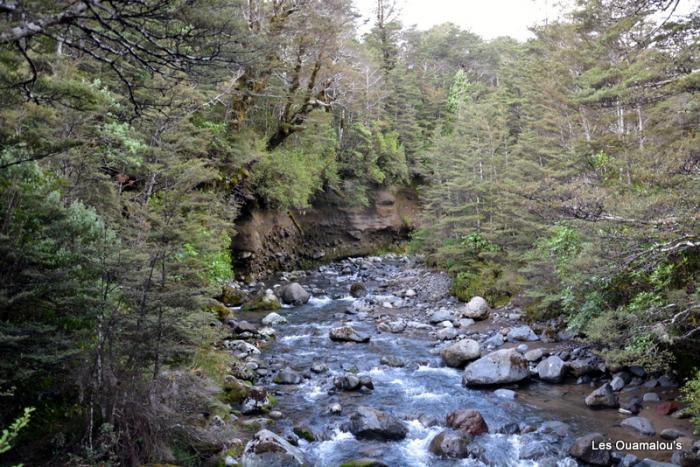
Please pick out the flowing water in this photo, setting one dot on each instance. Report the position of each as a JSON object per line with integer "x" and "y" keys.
{"x": 421, "y": 393}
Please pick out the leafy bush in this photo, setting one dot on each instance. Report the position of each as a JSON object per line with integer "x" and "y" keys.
{"x": 691, "y": 395}
{"x": 490, "y": 281}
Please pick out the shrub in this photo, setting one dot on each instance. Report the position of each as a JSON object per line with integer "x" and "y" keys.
{"x": 691, "y": 395}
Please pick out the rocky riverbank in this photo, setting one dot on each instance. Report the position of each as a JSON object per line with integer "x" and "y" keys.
{"x": 370, "y": 361}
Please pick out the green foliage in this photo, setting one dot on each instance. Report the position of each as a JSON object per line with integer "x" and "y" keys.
{"x": 490, "y": 281}
{"x": 477, "y": 243}
{"x": 9, "y": 434}
{"x": 289, "y": 178}
{"x": 691, "y": 394}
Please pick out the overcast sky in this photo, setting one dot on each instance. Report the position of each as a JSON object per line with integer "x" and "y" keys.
{"x": 487, "y": 18}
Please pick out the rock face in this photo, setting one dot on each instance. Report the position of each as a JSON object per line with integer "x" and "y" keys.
{"x": 477, "y": 308}
{"x": 640, "y": 424}
{"x": 294, "y": 294}
{"x": 347, "y": 334}
{"x": 369, "y": 423}
{"x": 469, "y": 421}
{"x": 450, "y": 444}
{"x": 499, "y": 367}
{"x": 267, "y": 449}
{"x": 270, "y": 240}
{"x": 602, "y": 397}
{"x": 582, "y": 449}
{"x": 461, "y": 352}
{"x": 551, "y": 369}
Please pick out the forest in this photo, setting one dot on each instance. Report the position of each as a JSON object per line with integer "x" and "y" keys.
{"x": 560, "y": 175}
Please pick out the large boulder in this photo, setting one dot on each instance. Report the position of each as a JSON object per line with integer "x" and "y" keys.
{"x": 602, "y": 397}
{"x": 639, "y": 424}
{"x": 477, "y": 308}
{"x": 499, "y": 367}
{"x": 267, "y": 449}
{"x": 369, "y": 423}
{"x": 522, "y": 333}
{"x": 582, "y": 449}
{"x": 450, "y": 444}
{"x": 551, "y": 369}
{"x": 461, "y": 352}
{"x": 294, "y": 294}
{"x": 266, "y": 301}
{"x": 347, "y": 334}
{"x": 469, "y": 421}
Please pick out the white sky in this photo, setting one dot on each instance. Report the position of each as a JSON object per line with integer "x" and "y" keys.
{"x": 487, "y": 18}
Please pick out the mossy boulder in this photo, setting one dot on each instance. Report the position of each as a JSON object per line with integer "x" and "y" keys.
{"x": 267, "y": 302}
{"x": 232, "y": 296}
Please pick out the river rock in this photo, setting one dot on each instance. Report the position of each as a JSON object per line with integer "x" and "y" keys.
{"x": 581, "y": 367}
{"x": 617, "y": 383}
{"x": 348, "y": 382}
{"x": 335, "y": 409}
{"x": 461, "y": 352}
{"x": 363, "y": 462}
{"x": 477, "y": 308}
{"x": 347, "y": 334}
{"x": 582, "y": 449}
{"x": 464, "y": 322}
{"x": 551, "y": 369}
{"x": 273, "y": 319}
{"x": 505, "y": 394}
{"x": 450, "y": 444}
{"x": 671, "y": 433}
{"x": 446, "y": 334}
{"x": 357, "y": 290}
{"x": 440, "y": 316}
{"x": 287, "y": 376}
{"x": 390, "y": 360}
{"x": 266, "y": 301}
{"x": 494, "y": 341}
{"x": 522, "y": 333}
{"x": 294, "y": 294}
{"x": 602, "y": 397}
{"x": 267, "y": 449}
{"x": 395, "y": 327}
{"x": 651, "y": 397}
{"x": 469, "y": 421}
{"x": 242, "y": 326}
{"x": 631, "y": 404}
{"x": 640, "y": 424}
{"x": 499, "y": 367}
{"x": 534, "y": 355}
{"x": 369, "y": 423}
{"x": 242, "y": 347}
